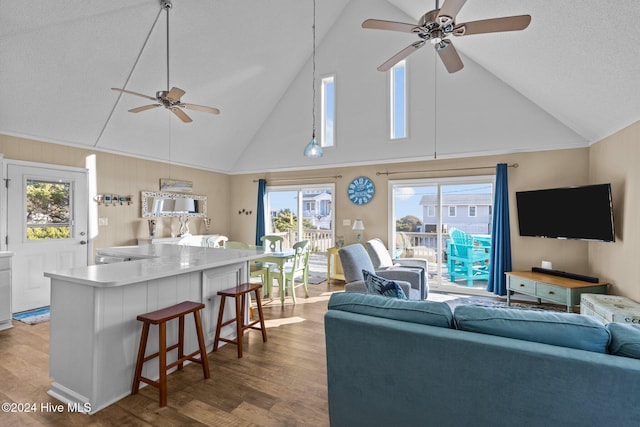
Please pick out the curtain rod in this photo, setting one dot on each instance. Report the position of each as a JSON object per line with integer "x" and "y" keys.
{"x": 303, "y": 179}
{"x": 515, "y": 165}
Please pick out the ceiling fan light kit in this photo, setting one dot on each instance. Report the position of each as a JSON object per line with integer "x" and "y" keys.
{"x": 437, "y": 25}
{"x": 170, "y": 98}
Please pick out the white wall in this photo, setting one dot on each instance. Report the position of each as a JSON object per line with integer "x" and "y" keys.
{"x": 488, "y": 119}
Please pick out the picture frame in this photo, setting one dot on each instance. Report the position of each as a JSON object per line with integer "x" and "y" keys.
{"x": 175, "y": 185}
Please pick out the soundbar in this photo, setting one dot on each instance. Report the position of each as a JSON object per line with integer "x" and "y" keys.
{"x": 566, "y": 275}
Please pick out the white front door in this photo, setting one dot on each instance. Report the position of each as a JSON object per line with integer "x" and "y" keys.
{"x": 47, "y": 212}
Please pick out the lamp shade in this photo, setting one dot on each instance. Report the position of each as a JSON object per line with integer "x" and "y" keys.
{"x": 313, "y": 150}
{"x": 358, "y": 225}
{"x": 185, "y": 205}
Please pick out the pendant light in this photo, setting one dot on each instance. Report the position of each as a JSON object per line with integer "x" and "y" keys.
{"x": 312, "y": 149}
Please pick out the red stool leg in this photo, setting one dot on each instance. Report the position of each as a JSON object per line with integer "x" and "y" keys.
{"x": 201, "y": 344}
{"x": 262, "y": 326}
{"x": 140, "y": 361}
{"x": 180, "y": 341}
{"x": 239, "y": 322}
{"x": 162, "y": 362}
{"x": 220, "y": 313}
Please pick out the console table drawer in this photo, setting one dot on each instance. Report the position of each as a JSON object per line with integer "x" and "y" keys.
{"x": 522, "y": 285}
{"x": 551, "y": 292}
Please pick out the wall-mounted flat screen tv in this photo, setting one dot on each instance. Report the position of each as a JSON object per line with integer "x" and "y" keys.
{"x": 583, "y": 213}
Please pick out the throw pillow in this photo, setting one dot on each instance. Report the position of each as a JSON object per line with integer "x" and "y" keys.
{"x": 625, "y": 339}
{"x": 381, "y": 286}
{"x": 561, "y": 329}
{"x": 431, "y": 313}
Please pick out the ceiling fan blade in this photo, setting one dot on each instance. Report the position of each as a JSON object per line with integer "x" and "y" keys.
{"x": 144, "y": 108}
{"x": 134, "y": 93}
{"x": 377, "y": 24}
{"x": 449, "y": 56}
{"x": 181, "y": 115}
{"x": 450, "y": 9}
{"x": 200, "y": 108}
{"x": 175, "y": 94}
{"x": 508, "y": 23}
{"x": 401, "y": 55}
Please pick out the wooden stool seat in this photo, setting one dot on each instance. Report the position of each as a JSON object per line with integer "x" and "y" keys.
{"x": 160, "y": 318}
{"x": 240, "y": 293}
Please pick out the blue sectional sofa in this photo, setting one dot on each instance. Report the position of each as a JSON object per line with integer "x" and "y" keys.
{"x": 413, "y": 363}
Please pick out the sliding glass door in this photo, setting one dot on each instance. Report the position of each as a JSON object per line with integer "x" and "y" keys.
{"x": 448, "y": 222}
{"x": 313, "y": 204}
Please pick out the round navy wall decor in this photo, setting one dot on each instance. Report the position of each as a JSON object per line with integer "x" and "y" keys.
{"x": 361, "y": 190}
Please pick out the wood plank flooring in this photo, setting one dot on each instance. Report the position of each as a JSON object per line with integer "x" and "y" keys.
{"x": 278, "y": 383}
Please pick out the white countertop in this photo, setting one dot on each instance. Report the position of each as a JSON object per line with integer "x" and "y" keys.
{"x": 154, "y": 262}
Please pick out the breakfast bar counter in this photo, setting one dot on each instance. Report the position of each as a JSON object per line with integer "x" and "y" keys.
{"x": 94, "y": 333}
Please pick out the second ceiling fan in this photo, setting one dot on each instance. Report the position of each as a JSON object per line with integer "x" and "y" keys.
{"x": 437, "y": 25}
{"x": 169, "y": 99}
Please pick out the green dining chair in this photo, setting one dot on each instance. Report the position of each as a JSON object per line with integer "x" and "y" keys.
{"x": 258, "y": 269}
{"x": 273, "y": 242}
{"x": 297, "y": 267}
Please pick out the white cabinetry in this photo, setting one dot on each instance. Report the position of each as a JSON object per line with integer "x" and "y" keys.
{"x": 5, "y": 290}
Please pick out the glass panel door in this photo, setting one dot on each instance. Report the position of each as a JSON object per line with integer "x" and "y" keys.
{"x": 313, "y": 203}
{"x": 448, "y": 222}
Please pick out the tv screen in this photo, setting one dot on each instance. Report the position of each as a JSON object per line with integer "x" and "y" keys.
{"x": 583, "y": 213}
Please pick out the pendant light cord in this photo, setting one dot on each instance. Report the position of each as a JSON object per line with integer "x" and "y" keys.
{"x": 313, "y": 61}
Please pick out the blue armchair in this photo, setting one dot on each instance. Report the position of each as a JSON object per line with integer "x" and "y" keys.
{"x": 354, "y": 258}
{"x": 382, "y": 260}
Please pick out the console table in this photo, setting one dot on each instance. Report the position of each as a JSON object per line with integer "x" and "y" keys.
{"x": 556, "y": 289}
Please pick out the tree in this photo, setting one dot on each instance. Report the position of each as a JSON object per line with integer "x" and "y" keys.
{"x": 287, "y": 220}
{"x": 408, "y": 223}
{"x": 47, "y": 203}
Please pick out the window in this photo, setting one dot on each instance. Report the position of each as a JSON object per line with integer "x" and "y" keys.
{"x": 302, "y": 212}
{"x": 473, "y": 211}
{"x": 328, "y": 116}
{"x": 423, "y": 213}
{"x": 398, "y": 97}
{"x": 48, "y": 210}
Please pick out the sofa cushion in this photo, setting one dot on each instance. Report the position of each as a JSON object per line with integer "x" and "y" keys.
{"x": 423, "y": 312}
{"x": 625, "y": 339}
{"x": 561, "y": 329}
{"x": 381, "y": 286}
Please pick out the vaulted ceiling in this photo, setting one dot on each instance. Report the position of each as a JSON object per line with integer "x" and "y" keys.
{"x": 568, "y": 80}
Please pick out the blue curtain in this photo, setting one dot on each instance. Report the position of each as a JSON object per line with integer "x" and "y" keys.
{"x": 260, "y": 224}
{"x": 500, "y": 260}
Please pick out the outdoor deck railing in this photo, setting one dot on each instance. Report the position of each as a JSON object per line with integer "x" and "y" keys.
{"x": 320, "y": 240}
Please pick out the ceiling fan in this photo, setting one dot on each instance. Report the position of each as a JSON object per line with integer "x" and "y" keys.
{"x": 437, "y": 25}
{"x": 169, "y": 99}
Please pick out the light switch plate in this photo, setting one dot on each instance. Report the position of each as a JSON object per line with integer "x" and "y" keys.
{"x": 346, "y": 222}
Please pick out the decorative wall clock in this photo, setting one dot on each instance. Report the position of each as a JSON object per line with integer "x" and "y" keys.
{"x": 361, "y": 190}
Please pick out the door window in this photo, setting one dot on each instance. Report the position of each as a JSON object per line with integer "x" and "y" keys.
{"x": 48, "y": 210}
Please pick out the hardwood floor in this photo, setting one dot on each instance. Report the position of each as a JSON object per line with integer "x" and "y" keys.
{"x": 278, "y": 383}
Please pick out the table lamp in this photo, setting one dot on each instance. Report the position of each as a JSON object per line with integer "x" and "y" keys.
{"x": 358, "y": 226}
{"x": 184, "y": 206}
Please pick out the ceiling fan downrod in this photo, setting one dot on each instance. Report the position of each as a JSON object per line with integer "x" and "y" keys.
{"x": 167, "y": 6}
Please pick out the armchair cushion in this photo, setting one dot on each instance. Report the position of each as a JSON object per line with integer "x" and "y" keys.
{"x": 381, "y": 286}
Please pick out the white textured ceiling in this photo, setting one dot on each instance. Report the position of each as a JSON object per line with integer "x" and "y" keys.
{"x": 578, "y": 62}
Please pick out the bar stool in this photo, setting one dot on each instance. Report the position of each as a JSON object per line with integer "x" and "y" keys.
{"x": 160, "y": 318}
{"x": 240, "y": 293}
